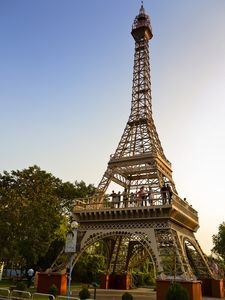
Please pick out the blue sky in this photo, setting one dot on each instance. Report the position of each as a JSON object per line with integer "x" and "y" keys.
{"x": 65, "y": 90}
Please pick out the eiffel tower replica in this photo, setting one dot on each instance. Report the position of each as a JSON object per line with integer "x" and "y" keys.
{"x": 154, "y": 223}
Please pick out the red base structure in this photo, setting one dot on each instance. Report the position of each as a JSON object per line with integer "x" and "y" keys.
{"x": 116, "y": 281}
{"x": 206, "y": 287}
{"x": 104, "y": 284}
{"x": 213, "y": 287}
{"x": 217, "y": 288}
{"x": 193, "y": 287}
{"x": 45, "y": 280}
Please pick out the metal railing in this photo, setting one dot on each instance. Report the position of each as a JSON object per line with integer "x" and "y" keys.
{"x": 43, "y": 296}
{"x": 156, "y": 200}
{"x": 4, "y": 293}
{"x": 105, "y": 202}
{"x": 18, "y": 294}
{"x": 66, "y": 297}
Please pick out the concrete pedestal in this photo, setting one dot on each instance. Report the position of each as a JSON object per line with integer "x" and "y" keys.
{"x": 217, "y": 288}
{"x": 115, "y": 281}
{"x": 45, "y": 280}
{"x": 212, "y": 287}
{"x": 193, "y": 287}
{"x": 104, "y": 283}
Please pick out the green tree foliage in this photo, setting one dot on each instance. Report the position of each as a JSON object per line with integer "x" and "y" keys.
{"x": 177, "y": 292}
{"x": 89, "y": 268}
{"x": 143, "y": 274}
{"x": 55, "y": 247}
{"x": 219, "y": 241}
{"x": 69, "y": 192}
{"x": 84, "y": 293}
{"x": 34, "y": 210}
{"x": 53, "y": 290}
{"x": 127, "y": 296}
{"x": 30, "y": 214}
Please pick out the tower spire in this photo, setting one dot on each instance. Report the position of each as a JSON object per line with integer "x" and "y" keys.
{"x": 139, "y": 159}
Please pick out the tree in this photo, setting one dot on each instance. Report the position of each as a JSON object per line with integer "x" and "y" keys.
{"x": 69, "y": 192}
{"x": 91, "y": 264}
{"x": 35, "y": 208}
{"x": 55, "y": 247}
{"x": 219, "y": 241}
{"x": 30, "y": 214}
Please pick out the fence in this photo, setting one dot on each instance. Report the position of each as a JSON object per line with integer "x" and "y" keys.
{"x": 24, "y": 295}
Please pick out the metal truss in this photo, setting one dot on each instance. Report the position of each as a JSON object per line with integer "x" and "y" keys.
{"x": 162, "y": 231}
{"x": 139, "y": 159}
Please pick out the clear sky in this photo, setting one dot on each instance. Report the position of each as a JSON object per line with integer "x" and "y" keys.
{"x": 65, "y": 90}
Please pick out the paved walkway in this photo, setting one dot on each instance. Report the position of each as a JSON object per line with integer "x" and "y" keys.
{"x": 138, "y": 294}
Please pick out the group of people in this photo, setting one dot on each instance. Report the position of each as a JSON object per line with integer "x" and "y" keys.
{"x": 116, "y": 199}
{"x": 142, "y": 197}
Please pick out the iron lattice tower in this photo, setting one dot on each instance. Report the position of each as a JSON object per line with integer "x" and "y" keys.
{"x": 139, "y": 159}
{"x": 131, "y": 231}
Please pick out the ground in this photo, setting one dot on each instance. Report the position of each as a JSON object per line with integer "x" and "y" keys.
{"x": 138, "y": 294}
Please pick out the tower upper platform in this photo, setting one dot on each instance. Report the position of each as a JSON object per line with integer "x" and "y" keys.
{"x": 141, "y": 27}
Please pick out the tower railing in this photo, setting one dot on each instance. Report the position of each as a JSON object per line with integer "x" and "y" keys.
{"x": 156, "y": 199}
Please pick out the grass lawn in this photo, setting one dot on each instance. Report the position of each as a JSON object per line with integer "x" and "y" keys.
{"x": 9, "y": 283}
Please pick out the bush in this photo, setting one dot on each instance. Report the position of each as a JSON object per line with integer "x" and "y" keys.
{"x": 177, "y": 292}
{"x": 84, "y": 293}
{"x": 53, "y": 290}
{"x": 127, "y": 296}
{"x": 139, "y": 279}
{"x": 21, "y": 286}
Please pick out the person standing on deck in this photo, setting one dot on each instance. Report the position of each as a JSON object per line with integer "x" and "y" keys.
{"x": 163, "y": 191}
{"x": 125, "y": 198}
{"x": 141, "y": 196}
{"x": 169, "y": 193}
{"x": 114, "y": 199}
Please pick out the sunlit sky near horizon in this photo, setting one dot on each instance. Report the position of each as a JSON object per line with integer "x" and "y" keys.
{"x": 66, "y": 80}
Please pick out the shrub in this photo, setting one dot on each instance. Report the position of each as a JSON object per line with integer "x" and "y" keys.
{"x": 84, "y": 293}
{"x": 21, "y": 286}
{"x": 53, "y": 290}
{"x": 127, "y": 296}
{"x": 139, "y": 279}
{"x": 177, "y": 292}
{"x": 149, "y": 280}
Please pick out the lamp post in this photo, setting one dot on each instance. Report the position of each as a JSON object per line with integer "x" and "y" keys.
{"x": 95, "y": 285}
{"x": 70, "y": 248}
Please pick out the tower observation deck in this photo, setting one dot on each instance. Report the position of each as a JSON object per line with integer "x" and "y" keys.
{"x": 149, "y": 211}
